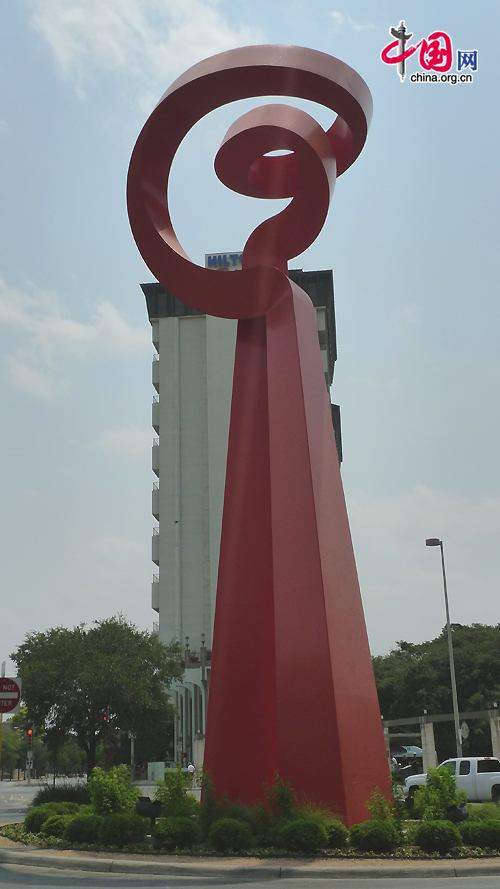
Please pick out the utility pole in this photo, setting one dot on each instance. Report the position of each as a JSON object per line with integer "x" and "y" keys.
{"x": 132, "y": 756}
{"x": 1, "y": 727}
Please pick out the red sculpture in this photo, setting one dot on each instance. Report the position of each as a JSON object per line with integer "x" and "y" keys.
{"x": 292, "y": 689}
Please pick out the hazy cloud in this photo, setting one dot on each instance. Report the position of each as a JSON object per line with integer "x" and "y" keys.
{"x": 363, "y": 382}
{"x": 148, "y": 41}
{"x": 115, "y": 548}
{"x": 45, "y": 334}
{"x": 340, "y": 21}
{"x": 130, "y": 442}
{"x": 405, "y": 316}
{"x": 30, "y": 378}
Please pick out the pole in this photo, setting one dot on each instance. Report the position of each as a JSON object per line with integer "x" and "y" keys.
{"x": 456, "y": 716}
{"x": 1, "y": 728}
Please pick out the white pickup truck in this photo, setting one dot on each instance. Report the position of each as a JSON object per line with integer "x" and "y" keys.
{"x": 479, "y": 776}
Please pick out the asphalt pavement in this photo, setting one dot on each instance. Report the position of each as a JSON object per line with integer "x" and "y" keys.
{"x": 237, "y": 870}
{"x": 15, "y": 799}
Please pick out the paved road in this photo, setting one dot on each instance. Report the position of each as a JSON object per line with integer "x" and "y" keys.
{"x": 14, "y": 877}
{"x": 15, "y": 797}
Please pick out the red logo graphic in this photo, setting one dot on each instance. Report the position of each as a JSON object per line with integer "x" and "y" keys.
{"x": 436, "y": 52}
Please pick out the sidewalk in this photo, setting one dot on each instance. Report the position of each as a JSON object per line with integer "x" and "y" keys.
{"x": 254, "y": 868}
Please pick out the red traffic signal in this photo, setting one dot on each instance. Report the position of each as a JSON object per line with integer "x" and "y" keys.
{"x": 30, "y": 739}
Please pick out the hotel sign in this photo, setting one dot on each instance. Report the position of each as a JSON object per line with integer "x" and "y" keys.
{"x": 223, "y": 262}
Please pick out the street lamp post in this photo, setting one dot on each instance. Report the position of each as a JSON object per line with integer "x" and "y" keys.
{"x": 434, "y": 541}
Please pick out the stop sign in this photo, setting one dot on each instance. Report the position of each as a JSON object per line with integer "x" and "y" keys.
{"x": 10, "y": 695}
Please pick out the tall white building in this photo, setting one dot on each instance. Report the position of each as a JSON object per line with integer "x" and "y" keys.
{"x": 192, "y": 376}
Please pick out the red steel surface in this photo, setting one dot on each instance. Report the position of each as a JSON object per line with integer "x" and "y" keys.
{"x": 292, "y": 688}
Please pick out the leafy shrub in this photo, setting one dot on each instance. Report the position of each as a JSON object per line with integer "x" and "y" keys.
{"x": 35, "y": 818}
{"x": 301, "y": 835}
{"x": 175, "y": 833}
{"x": 398, "y": 804}
{"x": 437, "y": 836}
{"x": 64, "y": 808}
{"x": 434, "y": 798}
{"x": 238, "y": 811}
{"x": 62, "y": 793}
{"x": 54, "y": 826}
{"x": 374, "y": 836}
{"x": 112, "y": 791}
{"x": 121, "y": 829}
{"x": 260, "y": 822}
{"x": 489, "y": 811}
{"x": 229, "y": 835}
{"x": 209, "y": 805}
{"x": 212, "y": 810}
{"x": 485, "y": 834}
{"x": 173, "y": 794}
{"x": 379, "y": 807}
{"x": 489, "y": 834}
{"x": 337, "y": 834}
{"x": 281, "y": 799}
{"x": 83, "y": 828}
{"x": 469, "y": 831}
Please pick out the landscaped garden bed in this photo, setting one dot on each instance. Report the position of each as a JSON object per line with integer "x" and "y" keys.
{"x": 277, "y": 827}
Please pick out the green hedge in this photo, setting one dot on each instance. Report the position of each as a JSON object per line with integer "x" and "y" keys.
{"x": 437, "y": 836}
{"x": 36, "y": 817}
{"x": 83, "y": 828}
{"x": 62, "y": 793}
{"x": 229, "y": 835}
{"x": 374, "y": 836}
{"x": 54, "y": 826}
{"x": 301, "y": 835}
{"x": 175, "y": 833}
{"x": 337, "y": 835}
{"x": 483, "y": 834}
{"x": 122, "y": 829}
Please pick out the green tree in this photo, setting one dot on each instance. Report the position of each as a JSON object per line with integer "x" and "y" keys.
{"x": 11, "y": 747}
{"x": 90, "y": 683}
{"x": 71, "y": 759}
{"x": 414, "y": 678}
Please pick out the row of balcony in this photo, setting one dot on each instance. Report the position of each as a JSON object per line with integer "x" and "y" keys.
{"x": 155, "y": 414}
{"x": 155, "y": 593}
{"x": 155, "y": 457}
{"x": 156, "y": 372}
{"x": 155, "y": 546}
{"x": 155, "y": 504}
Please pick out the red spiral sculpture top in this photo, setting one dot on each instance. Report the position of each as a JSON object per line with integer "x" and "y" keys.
{"x": 307, "y": 174}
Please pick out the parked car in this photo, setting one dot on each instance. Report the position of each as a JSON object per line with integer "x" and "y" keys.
{"x": 479, "y": 776}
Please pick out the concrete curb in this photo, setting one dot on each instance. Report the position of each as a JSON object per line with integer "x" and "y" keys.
{"x": 251, "y": 871}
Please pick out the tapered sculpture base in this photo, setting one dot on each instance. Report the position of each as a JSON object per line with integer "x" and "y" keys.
{"x": 292, "y": 689}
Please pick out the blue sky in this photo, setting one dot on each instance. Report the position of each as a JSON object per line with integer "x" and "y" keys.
{"x": 412, "y": 237}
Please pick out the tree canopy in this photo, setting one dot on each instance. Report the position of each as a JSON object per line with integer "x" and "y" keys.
{"x": 414, "y": 678}
{"x": 90, "y": 683}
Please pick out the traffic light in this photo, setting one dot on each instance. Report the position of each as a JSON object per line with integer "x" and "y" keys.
{"x": 30, "y": 739}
